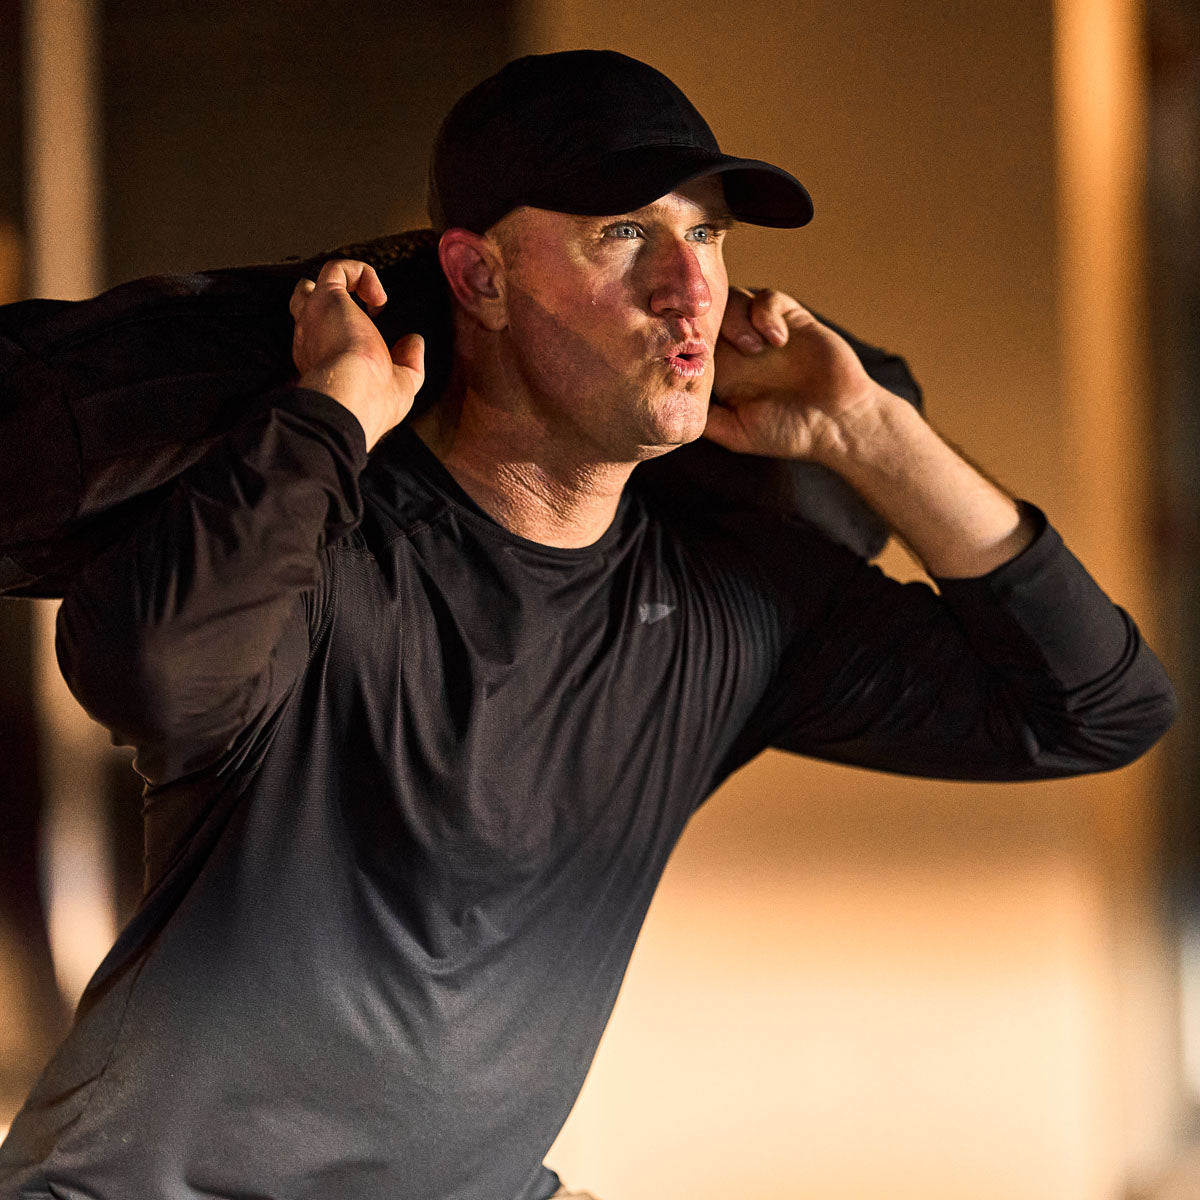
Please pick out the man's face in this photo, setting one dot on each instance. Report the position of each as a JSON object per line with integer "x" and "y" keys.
{"x": 612, "y": 321}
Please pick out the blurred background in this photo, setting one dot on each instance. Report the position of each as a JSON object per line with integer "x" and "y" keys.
{"x": 849, "y": 985}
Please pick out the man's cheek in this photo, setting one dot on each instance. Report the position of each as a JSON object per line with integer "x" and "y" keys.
{"x": 720, "y": 301}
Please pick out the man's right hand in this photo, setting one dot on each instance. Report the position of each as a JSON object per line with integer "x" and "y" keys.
{"x": 338, "y": 350}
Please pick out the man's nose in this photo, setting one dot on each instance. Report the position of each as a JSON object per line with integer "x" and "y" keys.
{"x": 679, "y": 283}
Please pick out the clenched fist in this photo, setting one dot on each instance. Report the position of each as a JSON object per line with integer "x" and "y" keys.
{"x": 338, "y": 350}
{"x": 784, "y": 383}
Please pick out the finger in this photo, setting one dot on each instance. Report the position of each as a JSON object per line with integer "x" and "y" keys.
{"x": 300, "y": 294}
{"x": 408, "y": 354}
{"x": 356, "y": 277}
{"x": 769, "y": 312}
{"x": 369, "y": 289}
{"x": 736, "y": 327}
{"x": 724, "y": 428}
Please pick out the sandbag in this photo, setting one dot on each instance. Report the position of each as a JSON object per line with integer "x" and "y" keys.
{"x": 103, "y": 402}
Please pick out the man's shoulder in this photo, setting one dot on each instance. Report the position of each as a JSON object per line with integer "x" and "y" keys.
{"x": 398, "y": 495}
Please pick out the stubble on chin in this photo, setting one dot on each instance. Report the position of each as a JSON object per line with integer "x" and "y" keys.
{"x": 679, "y": 417}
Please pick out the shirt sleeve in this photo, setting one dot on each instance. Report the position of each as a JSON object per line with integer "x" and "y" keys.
{"x": 1028, "y": 672}
{"x": 191, "y": 629}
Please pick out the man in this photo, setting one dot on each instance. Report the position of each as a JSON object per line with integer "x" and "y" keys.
{"x": 420, "y": 732}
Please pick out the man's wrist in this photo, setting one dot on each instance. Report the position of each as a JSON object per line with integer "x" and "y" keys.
{"x": 957, "y": 521}
{"x": 350, "y": 383}
{"x": 863, "y": 433}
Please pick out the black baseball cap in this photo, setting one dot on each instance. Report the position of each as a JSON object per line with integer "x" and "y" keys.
{"x": 590, "y": 132}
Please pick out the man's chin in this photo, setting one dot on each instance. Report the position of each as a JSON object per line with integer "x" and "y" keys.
{"x": 683, "y": 419}
{"x": 667, "y": 440}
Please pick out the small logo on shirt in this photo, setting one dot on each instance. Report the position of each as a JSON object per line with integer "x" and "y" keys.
{"x": 650, "y": 614}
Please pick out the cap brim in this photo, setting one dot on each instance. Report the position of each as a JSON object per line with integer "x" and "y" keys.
{"x": 756, "y": 192}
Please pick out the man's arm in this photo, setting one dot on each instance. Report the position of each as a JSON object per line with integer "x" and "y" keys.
{"x": 1027, "y": 672}
{"x": 190, "y": 630}
{"x": 1021, "y": 668}
{"x": 806, "y": 396}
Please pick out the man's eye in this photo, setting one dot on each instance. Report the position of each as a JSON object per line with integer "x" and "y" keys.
{"x": 625, "y": 230}
{"x": 704, "y": 233}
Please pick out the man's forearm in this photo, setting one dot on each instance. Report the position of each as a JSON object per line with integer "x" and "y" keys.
{"x": 955, "y": 519}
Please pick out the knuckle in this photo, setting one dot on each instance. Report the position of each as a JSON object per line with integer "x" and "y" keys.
{"x": 338, "y": 270}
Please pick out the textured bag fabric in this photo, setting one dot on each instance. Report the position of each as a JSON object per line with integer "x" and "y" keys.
{"x": 104, "y": 401}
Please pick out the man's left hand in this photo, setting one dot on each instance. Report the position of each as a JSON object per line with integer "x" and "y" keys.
{"x": 783, "y": 381}
{"x": 805, "y": 394}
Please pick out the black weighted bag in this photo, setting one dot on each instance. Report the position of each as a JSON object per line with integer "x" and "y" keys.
{"x": 104, "y": 401}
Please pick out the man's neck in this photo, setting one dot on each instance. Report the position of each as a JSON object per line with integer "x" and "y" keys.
{"x": 522, "y": 478}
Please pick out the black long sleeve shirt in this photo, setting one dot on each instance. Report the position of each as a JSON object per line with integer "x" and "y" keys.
{"x": 412, "y": 781}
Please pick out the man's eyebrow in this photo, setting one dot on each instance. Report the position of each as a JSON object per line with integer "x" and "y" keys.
{"x": 721, "y": 219}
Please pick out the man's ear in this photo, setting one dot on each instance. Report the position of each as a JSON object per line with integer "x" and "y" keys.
{"x": 473, "y": 268}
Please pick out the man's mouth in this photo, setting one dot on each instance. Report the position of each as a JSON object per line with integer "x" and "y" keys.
{"x": 689, "y": 360}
